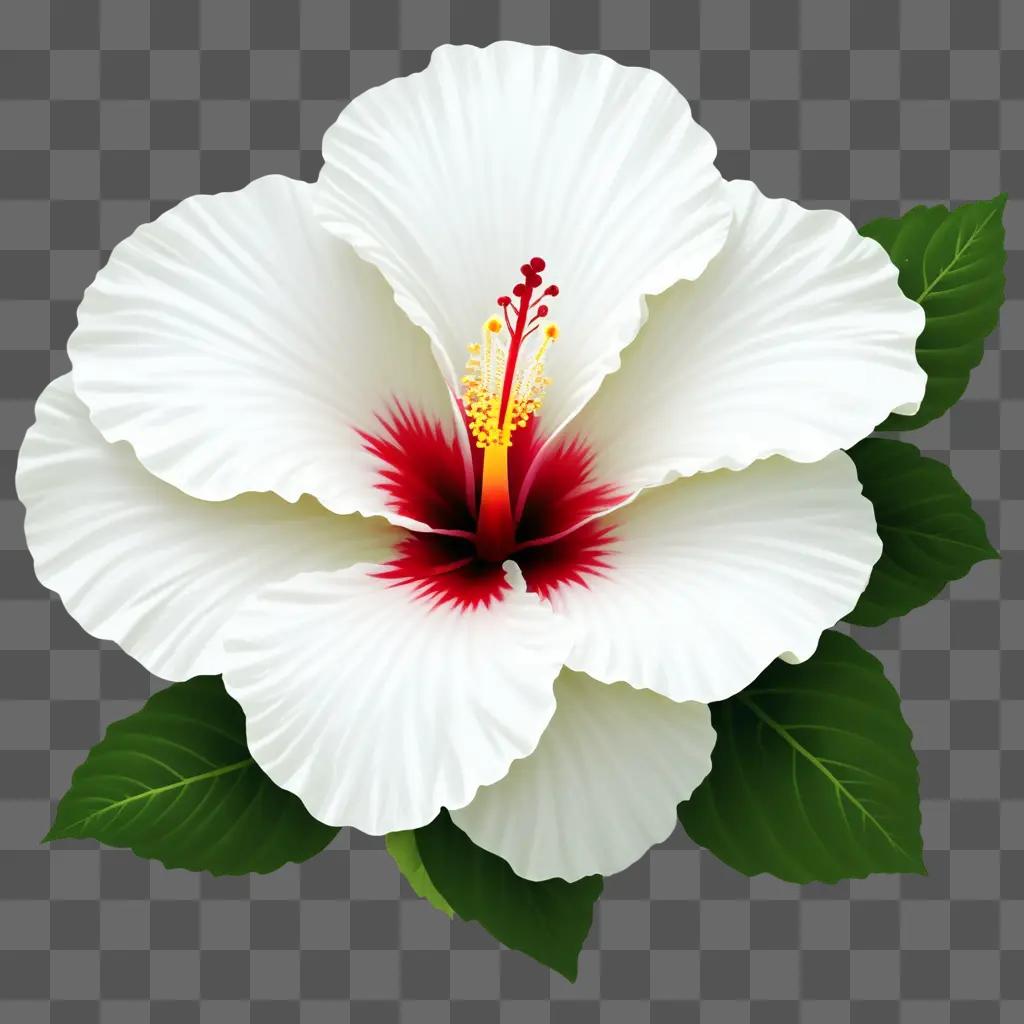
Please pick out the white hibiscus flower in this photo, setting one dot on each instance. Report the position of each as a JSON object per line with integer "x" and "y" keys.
{"x": 505, "y": 581}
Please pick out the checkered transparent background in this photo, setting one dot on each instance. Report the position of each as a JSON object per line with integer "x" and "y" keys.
{"x": 113, "y": 110}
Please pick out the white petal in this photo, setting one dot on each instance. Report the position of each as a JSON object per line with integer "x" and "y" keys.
{"x": 376, "y": 707}
{"x": 449, "y": 179}
{"x": 138, "y": 562}
{"x": 602, "y": 786}
{"x": 239, "y": 347}
{"x": 796, "y": 341}
{"x": 714, "y": 576}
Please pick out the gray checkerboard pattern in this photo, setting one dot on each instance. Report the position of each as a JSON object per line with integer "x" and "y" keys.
{"x": 113, "y": 110}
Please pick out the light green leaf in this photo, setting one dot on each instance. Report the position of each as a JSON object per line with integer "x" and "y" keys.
{"x": 951, "y": 262}
{"x": 406, "y": 855}
{"x": 547, "y": 920}
{"x": 930, "y": 534}
{"x": 813, "y": 777}
{"x": 175, "y": 782}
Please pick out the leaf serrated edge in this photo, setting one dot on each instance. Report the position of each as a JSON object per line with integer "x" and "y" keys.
{"x": 896, "y": 454}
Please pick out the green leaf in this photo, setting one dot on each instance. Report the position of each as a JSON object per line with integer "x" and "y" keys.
{"x": 813, "y": 777}
{"x": 175, "y": 782}
{"x": 547, "y": 920}
{"x": 930, "y": 534}
{"x": 405, "y": 853}
{"x": 951, "y": 262}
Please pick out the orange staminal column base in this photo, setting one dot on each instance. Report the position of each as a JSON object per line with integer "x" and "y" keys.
{"x": 495, "y": 527}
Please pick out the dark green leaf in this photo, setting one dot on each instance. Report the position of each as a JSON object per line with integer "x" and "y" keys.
{"x": 930, "y": 534}
{"x": 951, "y": 262}
{"x": 406, "y": 855}
{"x": 175, "y": 782}
{"x": 547, "y": 920}
{"x": 813, "y": 777}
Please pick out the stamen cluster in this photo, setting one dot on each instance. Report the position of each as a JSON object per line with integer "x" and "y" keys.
{"x": 501, "y": 389}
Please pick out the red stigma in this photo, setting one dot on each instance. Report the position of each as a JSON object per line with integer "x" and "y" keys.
{"x": 518, "y": 331}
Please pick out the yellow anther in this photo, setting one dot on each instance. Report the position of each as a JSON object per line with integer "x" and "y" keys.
{"x": 483, "y": 383}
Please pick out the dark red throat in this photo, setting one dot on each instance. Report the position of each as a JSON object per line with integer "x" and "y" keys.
{"x": 424, "y": 474}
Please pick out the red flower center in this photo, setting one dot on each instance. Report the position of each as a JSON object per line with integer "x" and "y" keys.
{"x": 516, "y": 497}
